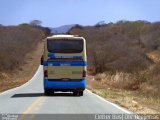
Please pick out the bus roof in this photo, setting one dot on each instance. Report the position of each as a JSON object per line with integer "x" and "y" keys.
{"x": 63, "y": 36}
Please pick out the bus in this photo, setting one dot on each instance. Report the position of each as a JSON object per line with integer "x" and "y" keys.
{"x": 64, "y": 64}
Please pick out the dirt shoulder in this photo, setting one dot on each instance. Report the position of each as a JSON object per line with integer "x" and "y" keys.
{"x": 131, "y": 100}
{"x": 24, "y": 73}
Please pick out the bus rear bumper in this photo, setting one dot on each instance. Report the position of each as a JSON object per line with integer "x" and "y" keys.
{"x": 65, "y": 85}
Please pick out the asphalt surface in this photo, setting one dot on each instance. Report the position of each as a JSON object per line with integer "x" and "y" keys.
{"x": 30, "y": 101}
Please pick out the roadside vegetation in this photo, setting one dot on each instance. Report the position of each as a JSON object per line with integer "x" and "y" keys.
{"x": 124, "y": 60}
{"x": 17, "y": 49}
{"x": 124, "y": 57}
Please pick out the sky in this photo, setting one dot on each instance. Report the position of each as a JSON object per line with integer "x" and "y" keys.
{"x": 54, "y": 13}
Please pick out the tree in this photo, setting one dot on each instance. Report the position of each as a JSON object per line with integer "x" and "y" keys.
{"x": 36, "y": 23}
{"x": 24, "y": 25}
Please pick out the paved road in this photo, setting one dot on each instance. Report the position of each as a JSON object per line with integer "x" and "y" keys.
{"x": 29, "y": 99}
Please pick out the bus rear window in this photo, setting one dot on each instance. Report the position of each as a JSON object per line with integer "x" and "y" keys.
{"x": 65, "y": 46}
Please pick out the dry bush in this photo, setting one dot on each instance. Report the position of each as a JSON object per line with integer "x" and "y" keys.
{"x": 121, "y": 46}
{"x": 100, "y": 76}
{"x": 119, "y": 80}
{"x": 15, "y": 43}
{"x": 150, "y": 90}
{"x": 154, "y": 70}
{"x": 151, "y": 86}
{"x": 124, "y": 81}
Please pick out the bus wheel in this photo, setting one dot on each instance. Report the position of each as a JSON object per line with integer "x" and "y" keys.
{"x": 81, "y": 93}
{"x": 75, "y": 93}
{"x": 47, "y": 92}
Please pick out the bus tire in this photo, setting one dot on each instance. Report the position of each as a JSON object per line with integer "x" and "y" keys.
{"x": 47, "y": 92}
{"x": 75, "y": 93}
{"x": 81, "y": 93}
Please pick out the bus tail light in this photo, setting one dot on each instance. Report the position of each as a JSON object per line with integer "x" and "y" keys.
{"x": 84, "y": 73}
{"x": 45, "y": 73}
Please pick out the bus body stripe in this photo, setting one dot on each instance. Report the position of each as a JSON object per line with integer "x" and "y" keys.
{"x": 73, "y": 63}
{"x": 52, "y": 55}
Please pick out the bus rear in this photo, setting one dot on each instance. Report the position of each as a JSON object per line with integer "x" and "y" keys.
{"x": 65, "y": 64}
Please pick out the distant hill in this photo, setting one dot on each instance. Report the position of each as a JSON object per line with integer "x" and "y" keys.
{"x": 62, "y": 29}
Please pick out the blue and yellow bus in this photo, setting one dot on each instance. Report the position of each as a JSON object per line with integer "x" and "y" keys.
{"x": 64, "y": 64}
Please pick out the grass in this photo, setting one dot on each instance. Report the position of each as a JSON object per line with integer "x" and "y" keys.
{"x": 130, "y": 100}
{"x": 133, "y": 100}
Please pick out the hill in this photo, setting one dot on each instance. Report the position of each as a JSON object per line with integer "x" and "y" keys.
{"x": 18, "y": 45}
{"x": 124, "y": 56}
{"x": 61, "y": 29}
{"x": 123, "y": 42}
